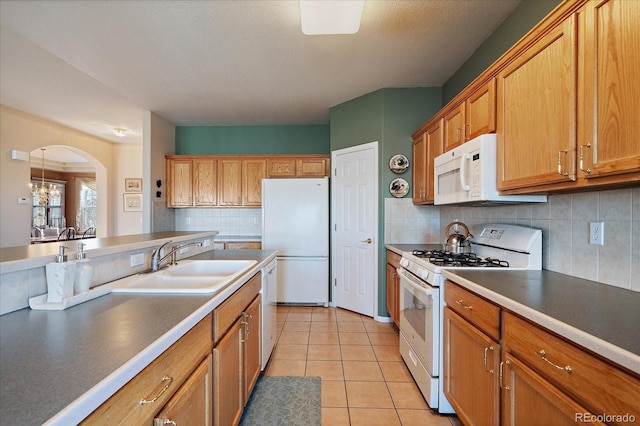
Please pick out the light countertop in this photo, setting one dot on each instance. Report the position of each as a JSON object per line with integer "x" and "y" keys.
{"x": 37, "y": 255}
{"x": 56, "y": 367}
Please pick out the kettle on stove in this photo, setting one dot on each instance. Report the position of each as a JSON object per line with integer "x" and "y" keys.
{"x": 456, "y": 242}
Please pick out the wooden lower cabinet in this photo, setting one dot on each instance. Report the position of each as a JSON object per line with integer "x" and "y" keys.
{"x": 227, "y": 369}
{"x": 526, "y": 375}
{"x": 191, "y": 404}
{"x": 471, "y": 362}
{"x": 177, "y": 372}
{"x": 393, "y": 287}
{"x": 528, "y": 399}
{"x": 236, "y": 354}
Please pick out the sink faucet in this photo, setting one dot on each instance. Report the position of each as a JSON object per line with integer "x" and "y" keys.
{"x": 157, "y": 259}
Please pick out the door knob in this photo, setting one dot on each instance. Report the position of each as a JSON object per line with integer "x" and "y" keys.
{"x": 368, "y": 241}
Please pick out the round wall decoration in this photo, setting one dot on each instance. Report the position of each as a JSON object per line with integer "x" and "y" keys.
{"x": 399, "y": 163}
{"x": 399, "y": 187}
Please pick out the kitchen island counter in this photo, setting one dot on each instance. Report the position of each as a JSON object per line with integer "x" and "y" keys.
{"x": 599, "y": 317}
{"x": 58, "y": 366}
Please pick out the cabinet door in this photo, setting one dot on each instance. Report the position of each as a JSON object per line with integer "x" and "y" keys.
{"x": 252, "y": 350}
{"x": 435, "y": 145}
{"x": 420, "y": 169}
{"x": 454, "y": 127}
{"x": 191, "y": 404}
{"x": 230, "y": 182}
{"x": 312, "y": 167}
{"x": 470, "y": 371}
{"x": 391, "y": 292}
{"x": 180, "y": 178}
{"x": 205, "y": 182}
{"x": 480, "y": 111}
{"x": 609, "y": 134}
{"x": 528, "y": 399}
{"x": 253, "y": 171}
{"x": 537, "y": 113}
{"x": 281, "y": 167}
{"x": 228, "y": 396}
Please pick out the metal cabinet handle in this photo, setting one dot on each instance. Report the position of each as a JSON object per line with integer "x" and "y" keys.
{"x": 588, "y": 145}
{"x": 368, "y": 241}
{"x": 459, "y": 302}
{"x": 562, "y": 151}
{"x": 164, "y": 422}
{"x": 167, "y": 382}
{"x": 490, "y": 348}
{"x": 542, "y": 354}
{"x": 501, "y": 375}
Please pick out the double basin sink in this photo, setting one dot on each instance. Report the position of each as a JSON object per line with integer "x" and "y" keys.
{"x": 188, "y": 276}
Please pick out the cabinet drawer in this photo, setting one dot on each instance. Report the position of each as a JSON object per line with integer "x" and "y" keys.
{"x": 393, "y": 258}
{"x": 600, "y": 386}
{"x": 176, "y": 363}
{"x": 483, "y": 314}
{"x": 226, "y": 314}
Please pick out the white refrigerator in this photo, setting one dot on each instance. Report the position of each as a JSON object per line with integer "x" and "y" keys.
{"x": 295, "y": 221}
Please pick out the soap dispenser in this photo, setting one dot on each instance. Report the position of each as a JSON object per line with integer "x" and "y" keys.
{"x": 60, "y": 277}
{"x": 84, "y": 271}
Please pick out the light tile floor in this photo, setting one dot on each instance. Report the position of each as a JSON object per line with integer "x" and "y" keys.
{"x": 364, "y": 380}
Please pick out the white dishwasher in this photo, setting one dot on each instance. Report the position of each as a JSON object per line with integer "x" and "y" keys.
{"x": 269, "y": 309}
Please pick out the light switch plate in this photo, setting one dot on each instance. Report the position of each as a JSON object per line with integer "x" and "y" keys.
{"x": 206, "y": 243}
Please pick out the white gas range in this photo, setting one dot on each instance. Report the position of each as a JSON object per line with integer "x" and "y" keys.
{"x": 495, "y": 246}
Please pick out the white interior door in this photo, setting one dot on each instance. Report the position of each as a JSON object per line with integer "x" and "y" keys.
{"x": 355, "y": 228}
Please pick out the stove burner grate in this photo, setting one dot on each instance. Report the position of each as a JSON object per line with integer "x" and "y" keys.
{"x": 445, "y": 258}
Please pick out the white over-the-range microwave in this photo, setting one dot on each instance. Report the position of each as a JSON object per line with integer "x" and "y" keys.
{"x": 467, "y": 175}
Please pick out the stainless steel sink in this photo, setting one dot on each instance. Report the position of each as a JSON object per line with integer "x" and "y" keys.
{"x": 188, "y": 276}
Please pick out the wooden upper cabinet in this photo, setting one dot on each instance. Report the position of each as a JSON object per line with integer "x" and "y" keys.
{"x": 480, "y": 111}
{"x": 180, "y": 191}
{"x": 608, "y": 128}
{"x": 420, "y": 169}
{"x": 537, "y": 113}
{"x": 312, "y": 167}
{"x": 253, "y": 171}
{"x": 454, "y": 127}
{"x": 230, "y": 182}
{"x": 205, "y": 182}
{"x": 281, "y": 167}
{"x": 426, "y": 147}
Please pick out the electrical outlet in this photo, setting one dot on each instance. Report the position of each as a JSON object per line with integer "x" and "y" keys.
{"x": 206, "y": 243}
{"x": 137, "y": 259}
{"x": 184, "y": 250}
{"x": 596, "y": 233}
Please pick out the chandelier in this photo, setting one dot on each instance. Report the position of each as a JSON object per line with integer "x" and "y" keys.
{"x": 43, "y": 192}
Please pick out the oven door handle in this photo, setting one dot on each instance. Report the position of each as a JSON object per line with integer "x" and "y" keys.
{"x": 405, "y": 276}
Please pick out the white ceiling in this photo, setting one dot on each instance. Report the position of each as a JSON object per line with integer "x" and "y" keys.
{"x": 93, "y": 65}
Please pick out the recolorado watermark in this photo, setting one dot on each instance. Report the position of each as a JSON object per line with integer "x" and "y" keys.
{"x": 604, "y": 418}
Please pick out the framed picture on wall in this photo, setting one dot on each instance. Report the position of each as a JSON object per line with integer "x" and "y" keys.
{"x": 132, "y": 185}
{"x": 132, "y": 202}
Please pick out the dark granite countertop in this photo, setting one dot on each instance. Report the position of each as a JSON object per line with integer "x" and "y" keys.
{"x": 58, "y": 366}
{"x": 602, "y": 318}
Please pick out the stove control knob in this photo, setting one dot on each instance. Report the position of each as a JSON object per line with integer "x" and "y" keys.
{"x": 404, "y": 262}
{"x": 423, "y": 273}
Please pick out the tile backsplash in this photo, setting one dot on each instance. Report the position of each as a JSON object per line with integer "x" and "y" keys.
{"x": 564, "y": 221}
{"x": 227, "y": 221}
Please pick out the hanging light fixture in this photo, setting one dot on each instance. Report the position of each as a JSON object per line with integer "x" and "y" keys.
{"x": 43, "y": 192}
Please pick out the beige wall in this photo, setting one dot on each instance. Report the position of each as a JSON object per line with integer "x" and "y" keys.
{"x": 25, "y": 132}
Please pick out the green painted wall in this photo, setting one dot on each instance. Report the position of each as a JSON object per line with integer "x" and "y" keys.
{"x": 221, "y": 140}
{"x": 524, "y": 17}
{"x": 388, "y": 116}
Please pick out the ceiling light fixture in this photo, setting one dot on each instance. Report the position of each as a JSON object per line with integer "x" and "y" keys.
{"x": 330, "y": 16}
{"x": 43, "y": 192}
{"x": 120, "y": 131}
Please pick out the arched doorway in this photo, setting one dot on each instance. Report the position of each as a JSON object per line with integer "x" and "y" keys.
{"x": 81, "y": 181}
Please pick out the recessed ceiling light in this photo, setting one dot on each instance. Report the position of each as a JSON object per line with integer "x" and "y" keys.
{"x": 330, "y": 16}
